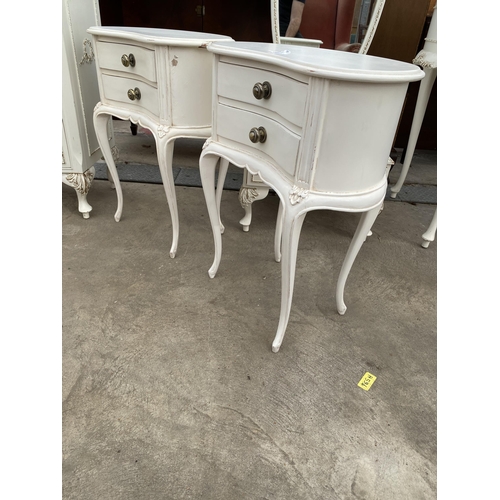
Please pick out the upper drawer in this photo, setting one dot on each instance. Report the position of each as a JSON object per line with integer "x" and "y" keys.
{"x": 288, "y": 96}
{"x": 110, "y": 57}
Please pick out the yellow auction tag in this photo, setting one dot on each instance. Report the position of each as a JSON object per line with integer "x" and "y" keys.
{"x": 367, "y": 381}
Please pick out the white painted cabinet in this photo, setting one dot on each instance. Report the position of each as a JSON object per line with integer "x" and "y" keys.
{"x": 80, "y": 94}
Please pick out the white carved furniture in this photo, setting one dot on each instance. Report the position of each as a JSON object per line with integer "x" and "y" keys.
{"x": 313, "y": 152}
{"x": 275, "y": 26}
{"x": 252, "y": 188}
{"x": 80, "y": 92}
{"x": 160, "y": 79}
{"x": 427, "y": 59}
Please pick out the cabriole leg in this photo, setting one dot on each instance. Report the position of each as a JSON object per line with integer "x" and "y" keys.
{"x": 292, "y": 224}
{"x": 165, "y": 148}
{"x": 81, "y": 184}
{"x": 208, "y": 165}
{"x": 277, "y": 233}
{"x": 429, "y": 235}
{"x": 247, "y": 196}
{"x": 223, "y": 167}
{"x": 101, "y": 129}
{"x": 365, "y": 223}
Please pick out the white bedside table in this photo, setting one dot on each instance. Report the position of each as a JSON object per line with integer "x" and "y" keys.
{"x": 317, "y": 126}
{"x": 160, "y": 79}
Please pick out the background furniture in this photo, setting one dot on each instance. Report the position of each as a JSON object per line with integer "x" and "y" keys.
{"x": 427, "y": 59}
{"x": 160, "y": 79}
{"x": 338, "y": 22}
{"x": 275, "y": 27}
{"x": 252, "y": 188}
{"x": 80, "y": 92}
{"x": 238, "y": 20}
{"x": 312, "y": 154}
{"x": 400, "y": 35}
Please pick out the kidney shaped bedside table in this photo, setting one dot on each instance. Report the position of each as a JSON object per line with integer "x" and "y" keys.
{"x": 317, "y": 126}
{"x": 160, "y": 79}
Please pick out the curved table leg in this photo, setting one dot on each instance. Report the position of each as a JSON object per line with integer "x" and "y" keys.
{"x": 223, "y": 167}
{"x": 81, "y": 184}
{"x": 101, "y": 128}
{"x": 429, "y": 235}
{"x": 364, "y": 225}
{"x": 424, "y": 93}
{"x": 292, "y": 225}
{"x": 277, "y": 233}
{"x": 208, "y": 164}
{"x": 165, "y": 150}
{"x": 247, "y": 195}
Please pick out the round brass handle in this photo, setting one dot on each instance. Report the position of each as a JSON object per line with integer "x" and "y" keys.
{"x": 128, "y": 60}
{"x": 262, "y": 90}
{"x": 258, "y": 134}
{"x": 134, "y": 94}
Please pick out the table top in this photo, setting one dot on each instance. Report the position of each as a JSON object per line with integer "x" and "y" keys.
{"x": 158, "y": 36}
{"x": 334, "y": 64}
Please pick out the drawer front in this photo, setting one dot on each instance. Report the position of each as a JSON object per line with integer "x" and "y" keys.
{"x": 110, "y": 58}
{"x": 288, "y": 96}
{"x": 281, "y": 144}
{"x": 116, "y": 89}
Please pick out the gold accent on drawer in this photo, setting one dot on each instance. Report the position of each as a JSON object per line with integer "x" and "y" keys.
{"x": 134, "y": 94}
{"x": 262, "y": 90}
{"x": 258, "y": 135}
{"x": 128, "y": 60}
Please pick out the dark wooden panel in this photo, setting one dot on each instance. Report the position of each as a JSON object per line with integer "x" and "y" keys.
{"x": 318, "y": 21}
{"x": 400, "y": 28}
{"x": 243, "y": 21}
{"x": 111, "y": 12}
{"x": 167, "y": 14}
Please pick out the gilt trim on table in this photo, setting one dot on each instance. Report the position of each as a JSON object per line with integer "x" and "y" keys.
{"x": 81, "y": 182}
{"x": 88, "y": 56}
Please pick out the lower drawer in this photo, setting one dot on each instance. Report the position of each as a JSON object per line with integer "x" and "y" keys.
{"x": 281, "y": 145}
{"x": 116, "y": 89}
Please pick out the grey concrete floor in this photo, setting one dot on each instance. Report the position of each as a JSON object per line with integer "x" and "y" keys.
{"x": 170, "y": 388}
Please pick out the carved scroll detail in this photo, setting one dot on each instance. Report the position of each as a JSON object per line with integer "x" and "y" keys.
{"x": 163, "y": 130}
{"x": 88, "y": 52}
{"x": 81, "y": 182}
{"x": 426, "y": 59}
{"x": 115, "y": 153}
{"x": 297, "y": 194}
{"x": 247, "y": 196}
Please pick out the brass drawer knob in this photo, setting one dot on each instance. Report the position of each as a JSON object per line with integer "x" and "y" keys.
{"x": 262, "y": 90}
{"x": 128, "y": 60}
{"x": 134, "y": 94}
{"x": 258, "y": 134}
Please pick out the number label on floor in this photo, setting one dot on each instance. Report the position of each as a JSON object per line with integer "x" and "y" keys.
{"x": 367, "y": 381}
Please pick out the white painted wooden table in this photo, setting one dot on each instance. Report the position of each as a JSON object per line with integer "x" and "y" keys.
{"x": 317, "y": 126}
{"x": 160, "y": 79}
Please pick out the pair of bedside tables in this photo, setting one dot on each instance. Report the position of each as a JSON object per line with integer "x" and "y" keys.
{"x": 315, "y": 125}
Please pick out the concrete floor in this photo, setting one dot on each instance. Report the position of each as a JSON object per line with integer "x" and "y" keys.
{"x": 170, "y": 388}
